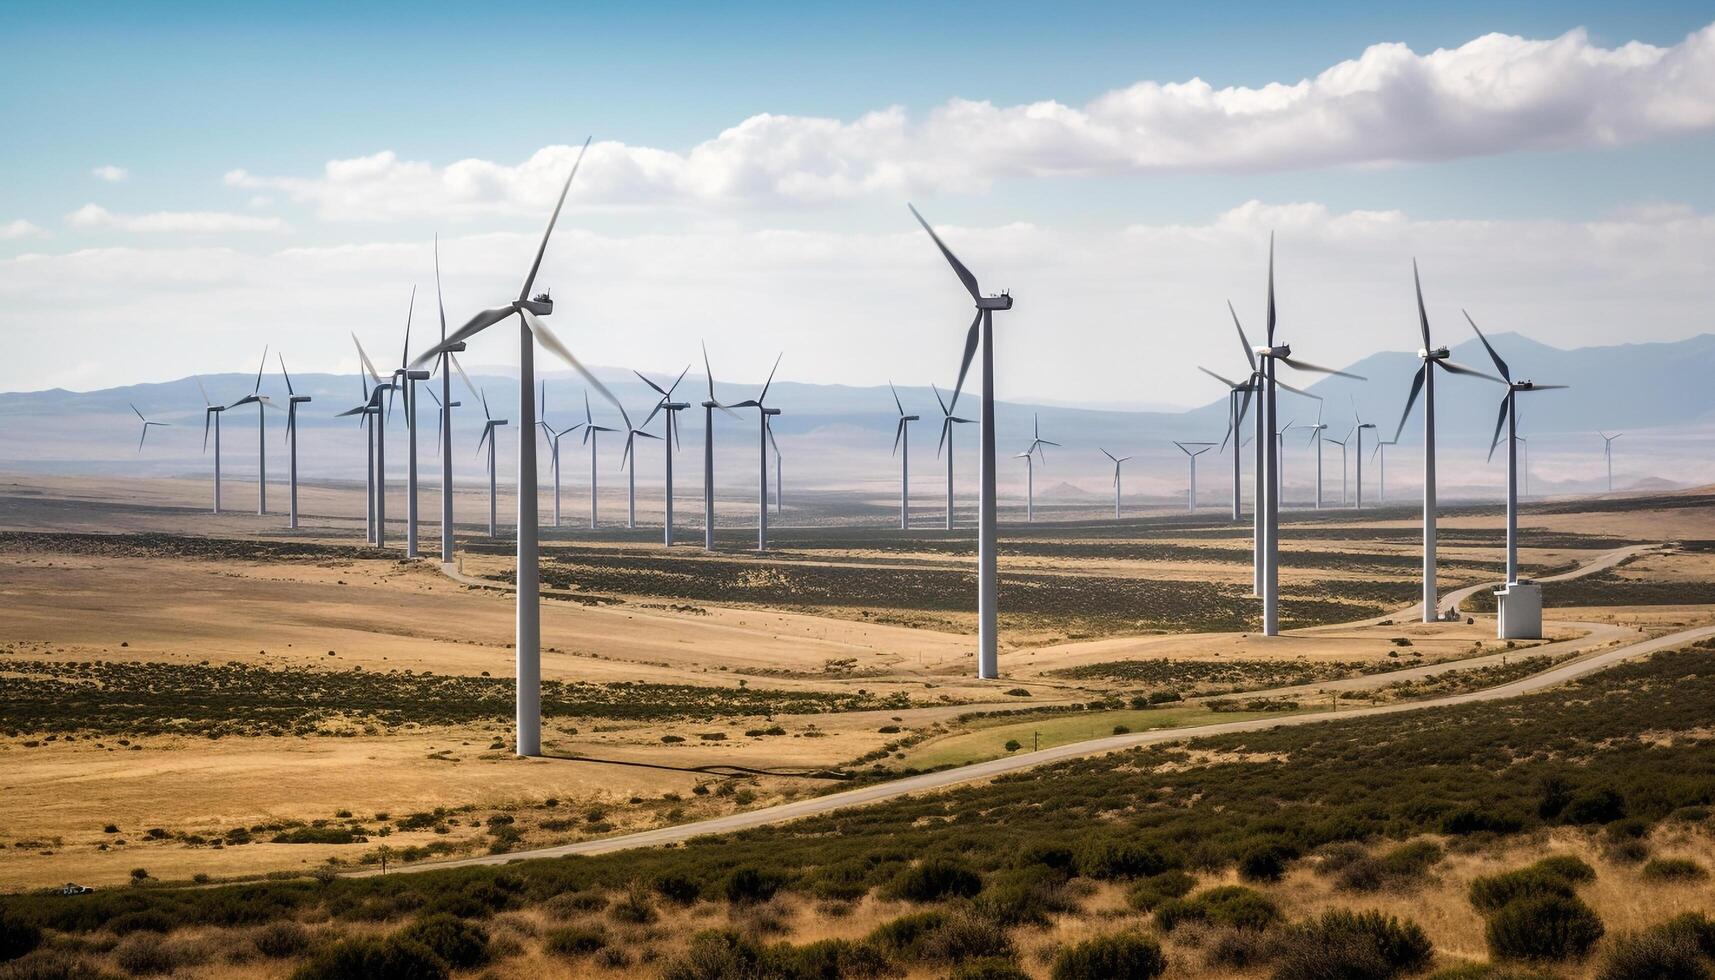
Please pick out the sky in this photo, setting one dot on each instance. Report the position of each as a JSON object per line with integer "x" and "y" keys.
{"x": 186, "y": 182}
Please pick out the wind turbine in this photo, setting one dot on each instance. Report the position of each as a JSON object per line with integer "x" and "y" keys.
{"x": 779, "y": 494}
{"x": 1117, "y": 461}
{"x": 1358, "y": 450}
{"x": 1524, "y": 465}
{"x": 527, "y": 644}
{"x": 378, "y": 437}
{"x": 146, "y": 424}
{"x": 439, "y": 418}
{"x": 947, "y": 421}
{"x": 1607, "y": 453}
{"x": 1185, "y": 447}
{"x": 1342, "y": 444}
{"x": 1272, "y": 355}
{"x": 589, "y": 437}
{"x": 211, "y": 410}
{"x": 262, "y": 405}
{"x": 1508, "y": 417}
{"x": 490, "y": 423}
{"x": 1280, "y": 460}
{"x": 1316, "y": 440}
{"x": 366, "y": 411}
{"x": 1381, "y": 485}
{"x": 553, "y": 437}
{"x": 709, "y": 406}
{"x": 293, "y": 400}
{"x": 407, "y": 378}
{"x": 1433, "y": 357}
{"x": 902, "y": 436}
{"x": 1036, "y": 444}
{"x": 1238, "y": 403}
{"x": 988, "y": 574}
{"x": 630, "y": 455}
{"x": 669, "y": 440}
{"x": 444, "y": 427}
{"x": 762, "y": 414}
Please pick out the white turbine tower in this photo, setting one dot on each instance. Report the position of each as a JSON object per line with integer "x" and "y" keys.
{"x": 527, "y": 645}
{"x": 902, "y": 437}
{"x": 293, "y": 400}
{"x": 1272, "y": 355}
{"x": 262, "y": 404}
{"x": 1508, "y": 418}
{"x": 670, "y": 441}
{"x": 1607, "y": 454}
{"x": 1342, "y": 444}
{"x": 591, "y": 431}
{"x": 146, "y": 424}
{"x": 489, "y": 425}
{"x": 1185, "y": 447}
{"x": 554, "y": 436}
{"x": 1036, "y": 444}
{"x": 1117, "y": 460}
{"x": 948, "y": 420}
{"x": 762, "y": 414}
{"x": 988, "y": 572}
{"x": 211, "y": 411}
{"x": 630, "y": 456}
{"x": 378, "y": 440}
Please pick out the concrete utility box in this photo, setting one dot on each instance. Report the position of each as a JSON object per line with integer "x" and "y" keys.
{"x": 1520, "y": 611}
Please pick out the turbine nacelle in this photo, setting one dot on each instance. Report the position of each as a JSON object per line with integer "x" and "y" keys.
{"x": 417, "y": 375}
{"x": 1281, "y": 351}
{"x": 1438, "y": 354}
{"x": 1001, "y": 302}
{"x": 542, "y": 305}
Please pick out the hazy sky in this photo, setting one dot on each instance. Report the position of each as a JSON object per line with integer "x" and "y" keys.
{"x": 184, "y": 182}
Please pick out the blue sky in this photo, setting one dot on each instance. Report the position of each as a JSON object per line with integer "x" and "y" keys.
{"x": 179, "y": 95}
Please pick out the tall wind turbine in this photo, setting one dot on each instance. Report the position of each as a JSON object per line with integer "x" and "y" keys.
{"x": 590, "y": 432}
{"x": 1342, "y": 444}
{"x": 988, "y": 573}
{"x": 1432, "y": 357}
{"x": 1358, "y": 450}
{"x": 1117, "y": 460}
{"x": 630, "y": 456}
{"x": 709, "y": 406}
{"x": 527, "y": 645}
{"x": 1036, "y": 444}
{"x": 1316, "y": 440}
{"x": 366, "y": 412}
{"x": 146, "y": 424}
{"x": 902, "y": 437}
{"x": 262, "y": 404}
{"x": 762, "y": 414}
{"x": 1238, "y": 403}
{"x": 1508, "y": 417}
{"x": 407, "y": 377}
{"x": 489, "y": 425}
{"x": 211, "y": 411}
{"x": 378, "y": 436}
{"x": 1185, "y": 447}
{"x": 948, "y": 420}
{"x": 554, "y": 436}
{"x": 669, "y": 440}
{"x": 1272, "y": 355}
{"x": 293, "y": 400}
{"x": 1607, "y": 453}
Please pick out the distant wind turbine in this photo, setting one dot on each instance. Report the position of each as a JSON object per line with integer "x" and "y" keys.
{"x": 630, "y": 456}
{"x": 293, "y": 400}
{"x": 211, "y": 411}
{"x": 902, "y": 437}
{"x": 1381, "y": 473}
{"x": 146, "y": 424}
{"x": 1238, "y": 403}
{"x": 709, "y": 406}
{"x": 1607, "y": 453}
{"x": 554, "y": 436}
{"x": 378, "y": 434}
{"x": 489, "y": 425}
{"x": 670, "y": 440}
{"x": 1117, "y": 460}
{"x": 591, "y": 430}
{"x": 948, "y": 420}
{"x": 762, "y": 414}
{"x": 1185, "y": 447}
{"x": 262, "y": 405}
{"x": 1508, "y": 417}
{"x": 1036, "y": 444}
{"x": 1358, "y": 450}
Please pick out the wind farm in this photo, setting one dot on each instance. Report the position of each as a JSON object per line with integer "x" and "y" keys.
{"x": 1169, "y": 705}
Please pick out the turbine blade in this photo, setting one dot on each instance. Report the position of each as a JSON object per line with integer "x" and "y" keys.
{"x": 206, "y": 415}
{"x": 1226, "y": 381}
{"x": 204, "y": 391}
{"x": 1411, "y": 399}
{"x": 440, "y": 300}
{"x": 1499, "y": 364}
{"x": 475, "y": 325}
{"x": 410, "y": 311}
{"x": 765, "y": 384}
{"x": 146, "y": 421}
{"x": 1296, "y": 391}
{"x": 896, "y": 402}
{"x": 1500, "y": 420}
{"x": 959, "y": 269}
{"x": 946, "y": 427}
{"x": 1270, "y": 334}
{"x": 289, "y": 390}
{"x": 1462, "y": 369}
{"x": 769, "y": 428}
{"x": 364, "y": 357}
{"x": 1422, "y": 316}
{"x": 546, "y": 338}
{"x": 259, "y": 368}
{"x": 1307, "y": 366}
{"x": 1536, "y": 387}
{"x": 944, "y": 409}
{"x": 460, "y": 369}
{"x": 709, "y": 373}
{"x": 536, "y": 265}
{"x": 965, "y": 365}
{"x": 898, "y": 432}
{"x": 674, "y": 386}
{"x": 658, "y": 389}
{"x": 1250, "y": 355}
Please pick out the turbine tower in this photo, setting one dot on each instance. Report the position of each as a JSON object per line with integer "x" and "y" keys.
{"x": 527, "y": 645}
{"x": 407, "y": 377}
{"x": 1036, "y": 444}
{"x": 988, "y": 573}
{"x": 378, "y": 438}
{"x": 1607, "y": 453}
{"x": 211, "y": 411}
{"x": 948, "y": 419}
{"x": 630, "y": 456}
{"x": 590, "y": 432}
{"x": 1381, "y": 474}
{"x": 554, "y": 438}
{"x": 779, "y": 480}
{"x": 146, "y": 424}
{"x": 1358, "y": 451}
{"x": 762, "y": 414}
{"x": 293, "y": 400}
{"x": 1508, "y": 417}
{"x": 1272, "y": 355}
{"x": 1238, "y": 403}
{"x": 262, "y": 405}
{"x": 1185, "y": 447}
{"x": 490, "y": 423}
{"x": 902, "y": 436}
{"x": 366, "y": 411}
{"x": 1342, "y": 444}
{"x": 709, "y": 406}
{"x": 1316, "y": 440}
{"x": 670, "y": 441}
{"x": 1117, "y": 460}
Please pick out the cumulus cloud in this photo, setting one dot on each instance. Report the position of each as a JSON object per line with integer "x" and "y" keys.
{"x": 188, "y": 222}
{"x": 19, "y": 228}
{"x": 111, "y": 174}
{"x": 1495, "y": 94}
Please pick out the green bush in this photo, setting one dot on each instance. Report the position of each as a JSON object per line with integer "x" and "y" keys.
{"x": 902, "y": 935}
{"x": 1125, "y": 956}
{"x": 1107, "y": 857}
{"x": 1266, "y": 860}
{"x": 374, "y": 959}
{"x": 1228, "y": 905}
{"x": 1150, "y": 892}
{"x": 726, "y": 955}
{"x": 145, "y": 953}
{"x": 1654, "y": 954}
{"x": 1343, "y": 943}
{"x": 988, "y": 968}
{"x": 461, "y": 944}
{"x": 1595, "y": 806}
{"x": 748, "y": 885}
{"x": 935, "y": 879}
{"x": 940, "y": 937}
{"x": 280, "y": 940}
{"x": 575, "y": 940}
{"x": 677, "y": 888}
{"x": 17, "y": 936}
{"x": 1550, "y": 876}
{"x": 1674, "y": 869}
{"x": 1543, "y": 927}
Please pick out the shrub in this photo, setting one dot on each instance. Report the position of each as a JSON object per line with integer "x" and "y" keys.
{"x": 1023, "y": 896}
{"x": 1229, "y": 949}
{"x": 1131, "y": 956}
{"x": 142, "y": 920}
{"x": 461, "y": 944}
{"x": 52, "y": 964}
{"x": 1013, "y": 745}
{"x": 17, "y": 936}
{"x": 676, "y": 888}
{"x": 901, "y": 935}
{"x": 716, "y": 955}
{"x": 1674, "y": 869}
{"x": 1107, "y": 857}
{"x": 1550, "y": 876}
{"x": 1597, "y": 806}
{"x": 934, "y": 879}
{"x": 748, "y": 885}
{"x": 575, "y": 940}
{"x": 1543, "y": 927}
{"x": 1150, "y": 892}
{"x": 279, "y": 940}
{"x": 1654, "y": 954}
{"x": 1054, "y": 856}
{"x": 633, "y": 908}
{"x": 1343, "y": 943}
{"x": 374, "y": 959}
{"x": 939, "y": 937}
{"x": 988, "y": 968}
{"x": 143, "y": 953}
{"x": 1265, "y": 860}
{"x": 1699, "y": 927}
{"x": 824, "y": 958}
{"x": 1228, "y": 905}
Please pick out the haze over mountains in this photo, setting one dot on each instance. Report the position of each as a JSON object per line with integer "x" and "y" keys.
{"x": 839, "y": 437}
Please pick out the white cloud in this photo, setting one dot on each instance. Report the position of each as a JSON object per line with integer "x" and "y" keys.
{"x": 189, "y": 222}
{"x": 111, "y": 174}
{"x": 19, "y": 228}
{"x": 1495, "y": 94}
